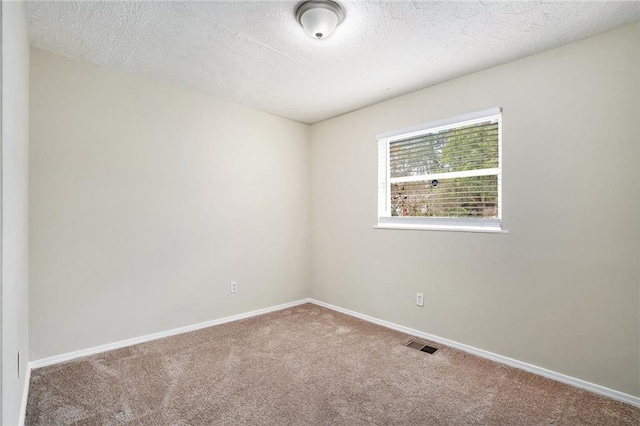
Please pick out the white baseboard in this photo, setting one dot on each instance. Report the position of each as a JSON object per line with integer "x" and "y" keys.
{"x": 142, "y": 339}
{"x": 592, "y": 387}
{"x": 25, "y": 395}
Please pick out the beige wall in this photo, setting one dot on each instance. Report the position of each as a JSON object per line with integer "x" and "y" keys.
{"x": 148, "y": 200}
{"x": 560, "y": 290}
{"x": 15, "y": 149}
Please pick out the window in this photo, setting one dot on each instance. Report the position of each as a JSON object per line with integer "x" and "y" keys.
{"x": 443, "y": 175}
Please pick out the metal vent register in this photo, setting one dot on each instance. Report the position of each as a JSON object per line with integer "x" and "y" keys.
{"x": 420, "y": 346}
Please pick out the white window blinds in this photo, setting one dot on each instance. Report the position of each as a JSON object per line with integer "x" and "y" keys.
{"x": 443, "y": 173}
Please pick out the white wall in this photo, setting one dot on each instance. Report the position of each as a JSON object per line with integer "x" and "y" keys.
{"x": 148, "y": 200}
{"x": 560, "y": 290}
{"x": 15, "y": 141}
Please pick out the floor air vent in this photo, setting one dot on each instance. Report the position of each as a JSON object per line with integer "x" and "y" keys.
{"x": 414, "y": 344}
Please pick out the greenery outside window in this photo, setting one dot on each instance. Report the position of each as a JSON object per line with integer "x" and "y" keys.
{"x": 444, "y": 175}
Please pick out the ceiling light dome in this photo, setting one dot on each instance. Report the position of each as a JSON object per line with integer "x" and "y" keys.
{"x": 319, "y": 18}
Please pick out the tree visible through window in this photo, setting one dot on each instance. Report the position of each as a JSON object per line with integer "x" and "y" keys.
{"x": 450, "y": 171}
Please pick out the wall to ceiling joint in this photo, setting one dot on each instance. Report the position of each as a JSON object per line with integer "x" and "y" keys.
{"x": 256, "y": 54}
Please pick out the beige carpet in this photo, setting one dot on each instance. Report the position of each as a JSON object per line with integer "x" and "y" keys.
{"x": 304, "y": 366}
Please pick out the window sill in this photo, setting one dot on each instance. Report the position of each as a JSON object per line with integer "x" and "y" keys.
{"x": 415, "y": 227}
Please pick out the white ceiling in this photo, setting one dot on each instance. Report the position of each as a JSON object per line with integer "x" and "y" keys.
{"x": 256, "y": 54}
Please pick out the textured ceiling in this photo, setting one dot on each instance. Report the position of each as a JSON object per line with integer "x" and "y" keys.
{"x": 256, "y": 54}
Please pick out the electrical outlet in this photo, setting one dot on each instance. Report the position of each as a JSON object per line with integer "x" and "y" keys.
{"x": 234, "y": 287}
{"x": 420, "y": 299}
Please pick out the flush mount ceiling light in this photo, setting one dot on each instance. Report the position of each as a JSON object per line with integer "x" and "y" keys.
{"x": 319, "y": 18}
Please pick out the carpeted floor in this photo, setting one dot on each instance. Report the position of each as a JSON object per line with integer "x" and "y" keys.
{"x": 304, "y": 366}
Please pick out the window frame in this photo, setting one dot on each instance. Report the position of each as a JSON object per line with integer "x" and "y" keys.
{"x": 386, "y": 221}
